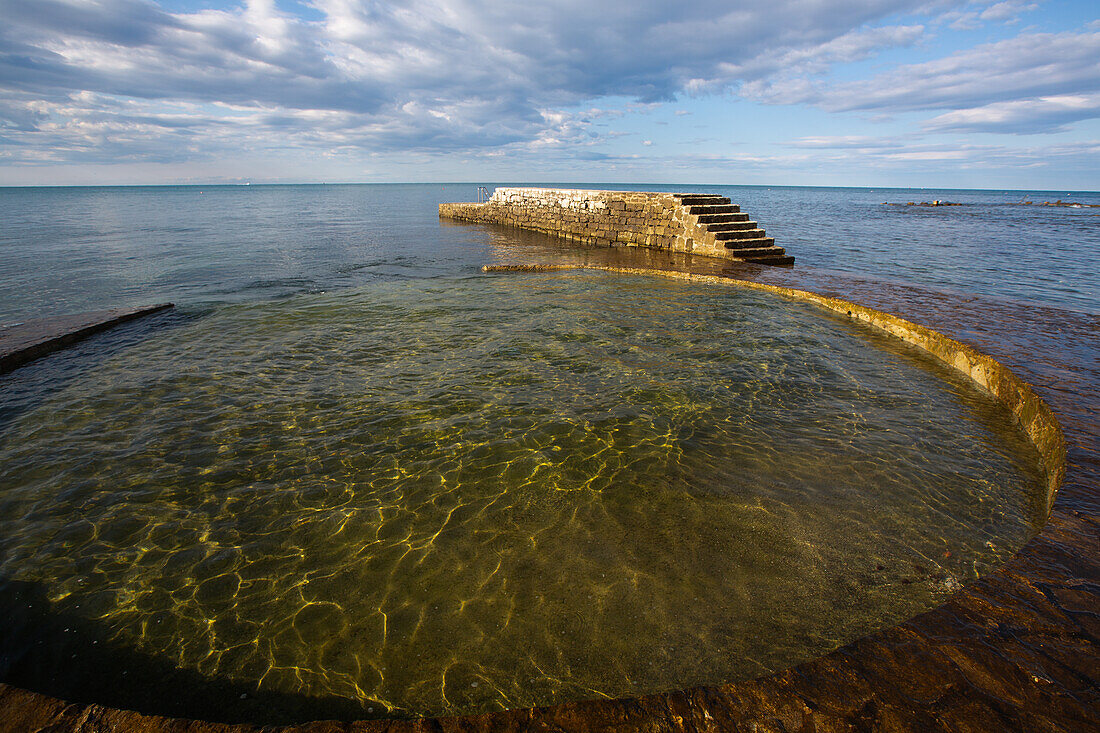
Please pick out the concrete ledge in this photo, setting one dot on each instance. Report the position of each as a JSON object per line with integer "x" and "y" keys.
{"x": 31, "y": 340}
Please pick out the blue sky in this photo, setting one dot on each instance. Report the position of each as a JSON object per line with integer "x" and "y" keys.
{"x": 940, "y": 93}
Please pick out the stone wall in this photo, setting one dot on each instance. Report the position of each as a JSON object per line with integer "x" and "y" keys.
{"x": 704, "y": 224}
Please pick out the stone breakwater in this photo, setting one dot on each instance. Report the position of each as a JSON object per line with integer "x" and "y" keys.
{"x": 704, "y": 224}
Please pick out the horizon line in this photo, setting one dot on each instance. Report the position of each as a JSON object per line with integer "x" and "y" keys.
{"x": 547, "y": 184}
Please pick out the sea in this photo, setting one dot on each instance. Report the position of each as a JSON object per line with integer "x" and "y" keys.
{"x": 351, "y": 475}
{"x": 65, "y": 250}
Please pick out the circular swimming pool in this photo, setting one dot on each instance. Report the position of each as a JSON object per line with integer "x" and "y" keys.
{"x": 451, "y": 495}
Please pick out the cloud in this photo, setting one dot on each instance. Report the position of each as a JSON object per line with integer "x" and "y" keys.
{"x": 1033, "y": 83}
{"x": 425, "y": 75}
{"x": 862, "y": 142}
{"x": 1027, "y": 66}
{"x": 1026, "y": 117}
{"x": 916, "y": 154}
{"x": 129, "y": 23}
{"x": 1010, "y": 10}
{"x": 854, "y": 45}
{"x": 888, "y": 159}
{"x": 86, "y": 81}
{"x": 974, "y": 16}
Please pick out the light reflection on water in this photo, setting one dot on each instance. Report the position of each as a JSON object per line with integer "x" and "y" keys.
{"x": 443, "y": 496}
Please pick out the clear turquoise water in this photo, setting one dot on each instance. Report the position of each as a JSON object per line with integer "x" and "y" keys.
{"x": 438, "y": 491}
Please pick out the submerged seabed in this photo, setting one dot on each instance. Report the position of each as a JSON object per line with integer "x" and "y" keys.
{"x": 443, "y": 495}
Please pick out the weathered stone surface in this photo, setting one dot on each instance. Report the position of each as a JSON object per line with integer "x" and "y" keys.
{"x": 675, "y": 222}
{"x": 30, "y": 340}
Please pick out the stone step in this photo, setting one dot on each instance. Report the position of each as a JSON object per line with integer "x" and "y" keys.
{"x": 698, "y": 199}
{"x": 749, "y": 254}
{"x": 731, "y": 226}
{"x": 739, "y": 234}
{"x": 749, "y": 243}
{"x": 721, "y": 218}
{"x": 714, "y": 209}
{"x": 769, "y": 260}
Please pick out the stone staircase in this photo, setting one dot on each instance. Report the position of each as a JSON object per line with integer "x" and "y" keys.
{"x": 721, "y": 226}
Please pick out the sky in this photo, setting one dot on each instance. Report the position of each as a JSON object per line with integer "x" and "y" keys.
{"x": 907, "y": 93}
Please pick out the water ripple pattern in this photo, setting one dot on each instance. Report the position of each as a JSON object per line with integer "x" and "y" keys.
{"x": 449, "y": 495}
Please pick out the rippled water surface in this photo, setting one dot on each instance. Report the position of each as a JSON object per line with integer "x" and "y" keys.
{"x": 64, "y": 250}
{"x": 433, "y": 495}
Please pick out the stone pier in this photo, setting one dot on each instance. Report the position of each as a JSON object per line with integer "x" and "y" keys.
{"x": 705, "y": 224}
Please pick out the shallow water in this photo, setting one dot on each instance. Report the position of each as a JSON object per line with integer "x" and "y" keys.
{"x": 447, "y": 494}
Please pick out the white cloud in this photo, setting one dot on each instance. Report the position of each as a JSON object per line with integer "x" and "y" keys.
{"x": 975, "y": 15}
{"x": 1009, "y": 10}
{"x": 852, "y": 46}
{"x": 888, "y": 159}
{"x": 1026, "y": 66}
{"x": 863, "y": 142}
{"x": 914, "y": 154}
{"x": 1028, "y": 116}
{"x": 1033, "y": 83}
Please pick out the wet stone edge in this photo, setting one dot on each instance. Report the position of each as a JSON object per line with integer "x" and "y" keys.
{"x": 25, "y": 342}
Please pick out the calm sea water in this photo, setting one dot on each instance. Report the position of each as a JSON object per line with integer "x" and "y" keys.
{"x": 353, "y": 476}
{"x": 64, "y": 250}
